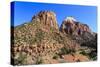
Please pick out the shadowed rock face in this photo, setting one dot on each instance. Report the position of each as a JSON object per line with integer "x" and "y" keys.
{"x": 48, "y": 18}
{"x": 73, "y": 27}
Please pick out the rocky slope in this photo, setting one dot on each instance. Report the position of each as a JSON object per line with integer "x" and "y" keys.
{"x": 82, "y": 34}
{"x": 41, "y": 42}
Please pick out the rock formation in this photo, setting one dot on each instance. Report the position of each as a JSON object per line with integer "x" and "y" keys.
{"x": 41, "y": 42}
{"x": 72, "y": 26}
{"x": 48, "y": 18}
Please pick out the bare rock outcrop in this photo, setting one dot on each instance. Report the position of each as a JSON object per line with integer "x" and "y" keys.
{"x": 47, "y": 18}
{"x": 73, "y": 27}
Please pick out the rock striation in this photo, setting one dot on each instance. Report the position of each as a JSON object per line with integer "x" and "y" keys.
{"x": 73, "y": 27}
{"x": 48, "y": 18}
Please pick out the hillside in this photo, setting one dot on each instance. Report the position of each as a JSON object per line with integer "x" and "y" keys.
{"x": 41, "y": 41}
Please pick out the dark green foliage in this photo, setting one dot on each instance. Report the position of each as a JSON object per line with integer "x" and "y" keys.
{"x": 94, "y": 58}
{"x": 65, "y": 50}
{"x": 55, "y": 56}
{"x": 57, "y": 37}
{"x": 39, "y": 62}
{"x": 93, "y": 55}
{"x": 83, "y": 53}
{"x": 39, "y": 36}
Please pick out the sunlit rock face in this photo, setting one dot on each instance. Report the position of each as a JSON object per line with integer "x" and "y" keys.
{"x": 71, "y": 26}
{"x": 47, "y": 18}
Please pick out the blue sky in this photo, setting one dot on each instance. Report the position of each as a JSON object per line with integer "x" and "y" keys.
{"x": 24, "y": 11}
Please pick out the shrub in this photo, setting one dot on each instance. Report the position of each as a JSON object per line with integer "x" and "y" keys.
{"x": 83, "y": 52}
{"x": 93, "y": 55}
{"x": 51, "y": 29}
{"x": 64, "y": 50}
{"x": 39, "y": 60}
{"x": 39, "y": 35}
{"x": 55, "y": 56}
{"x": 20, "y": 60}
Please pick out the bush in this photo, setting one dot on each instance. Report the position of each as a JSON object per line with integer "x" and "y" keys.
{"x": 83, "y": 52}
{"x": 93, "y": 55}
{"x": 20, "y": 60}
{"x": 39, "y": 61}
{"x": 55, "y": 56}
{"x": 39, "y": 35}
{"x": 64, "y": 50}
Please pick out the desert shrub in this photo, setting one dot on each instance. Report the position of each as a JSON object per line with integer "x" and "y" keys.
{"x": 55, "y": 56}
{"x": 20, "y": 60}
{"x": 94, "y": 58}
{"x": 93, "y": 55}
{"x": 39, "y": 60}
{"x": 51, "y": 29}
{"x": 58, "y": 38}
{"x": 65, "y": 50}
{"x": 83, "y": 52}
{"x": 39, "y": 35}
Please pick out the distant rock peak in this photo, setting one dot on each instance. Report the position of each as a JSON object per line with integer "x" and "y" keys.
{"x": 71, "y": 26}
